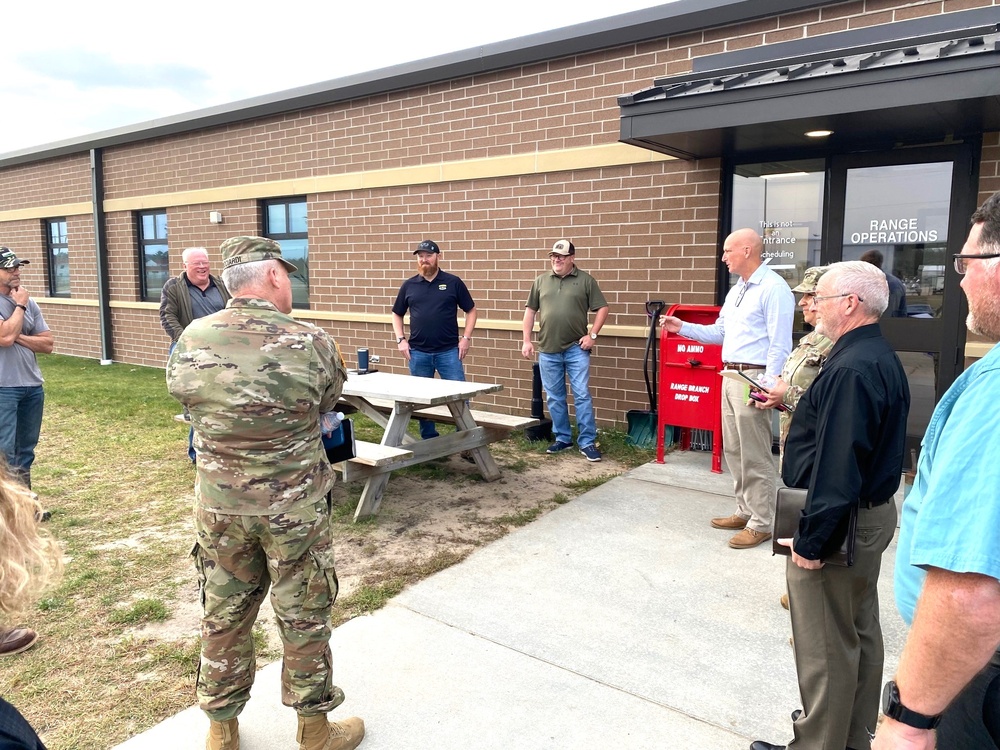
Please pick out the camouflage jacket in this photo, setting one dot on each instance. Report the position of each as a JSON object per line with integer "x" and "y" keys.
{"x": 800, "y": 370}
{"x": 255, "y": 381}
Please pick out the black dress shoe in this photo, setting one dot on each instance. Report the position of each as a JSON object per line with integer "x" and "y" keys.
{"x": 761, "y": 745}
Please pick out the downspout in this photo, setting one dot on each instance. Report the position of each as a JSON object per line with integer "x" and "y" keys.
{"x": 101, "y": 248}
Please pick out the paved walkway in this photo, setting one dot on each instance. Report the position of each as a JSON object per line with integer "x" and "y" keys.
{"x": 619, "y": 620}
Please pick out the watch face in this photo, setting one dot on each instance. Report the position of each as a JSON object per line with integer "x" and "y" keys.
{"x": 890, "y": 699}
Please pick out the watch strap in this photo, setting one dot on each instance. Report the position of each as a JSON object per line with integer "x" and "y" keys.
{"x": 894, "y": 709}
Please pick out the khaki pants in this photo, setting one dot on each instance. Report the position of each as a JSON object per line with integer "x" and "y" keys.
{"x": 746, "y": 442}
{"x": 837, "y": 640}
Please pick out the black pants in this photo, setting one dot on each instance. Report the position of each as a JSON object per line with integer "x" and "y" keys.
{"x": 972, "y": 721}
{"x": 15, "y": 731}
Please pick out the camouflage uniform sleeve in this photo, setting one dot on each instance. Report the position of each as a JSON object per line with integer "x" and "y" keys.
{"x": 803, "y": 366}
{"x": 332, "y": 374}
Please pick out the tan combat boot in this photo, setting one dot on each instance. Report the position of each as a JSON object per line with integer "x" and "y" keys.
{"x": 223, "y": 735}
{"x": 317, "y": 733}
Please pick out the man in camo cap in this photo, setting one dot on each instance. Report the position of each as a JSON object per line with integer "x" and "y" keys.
{"x": 256, "y": 382}
{"x": 802, "y": 365}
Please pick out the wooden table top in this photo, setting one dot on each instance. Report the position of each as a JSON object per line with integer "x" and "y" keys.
{"x": 413, "y": 390}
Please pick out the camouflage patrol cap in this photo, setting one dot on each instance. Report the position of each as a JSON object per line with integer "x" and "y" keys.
{"x": 238, "y": 250}
{"x": 8, "y": 260}
{"x": 810, "y": 279}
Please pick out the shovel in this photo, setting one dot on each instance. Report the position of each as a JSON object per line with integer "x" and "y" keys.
{"x": 641, "y": 423}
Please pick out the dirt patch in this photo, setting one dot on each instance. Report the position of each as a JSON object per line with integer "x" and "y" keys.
{"x": 429, "y": 518}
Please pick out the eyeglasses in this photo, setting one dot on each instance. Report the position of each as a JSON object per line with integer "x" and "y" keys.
{"x": 961, "y": 261}
{"x": 818, "y": 298}
{"x": 558, "y": 257}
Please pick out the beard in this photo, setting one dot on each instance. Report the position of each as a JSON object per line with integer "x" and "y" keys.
{"x": 984, "y": 319}
{"x": 984, "y": 310}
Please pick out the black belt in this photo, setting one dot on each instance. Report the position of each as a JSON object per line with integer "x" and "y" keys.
{"x": 869, "y": 504}
{"x": 741, "y": 366}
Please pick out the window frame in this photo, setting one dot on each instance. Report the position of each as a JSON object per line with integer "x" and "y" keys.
{"x": 50, "y": 257}
{"x": 143, "y": 242}
{"x": 279, "y": 237}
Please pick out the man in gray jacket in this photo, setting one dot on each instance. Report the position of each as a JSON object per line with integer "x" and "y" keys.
{"x": 193, "y": 294}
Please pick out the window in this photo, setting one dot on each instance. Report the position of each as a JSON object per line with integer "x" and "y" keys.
{"x": 285, "y": 222}
{"x": 154, "y": 268}
{"x": 783, "y": 201}
{"x": 58, "y": 252}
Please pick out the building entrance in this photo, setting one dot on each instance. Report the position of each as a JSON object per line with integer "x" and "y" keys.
{"x": 906, "y": 211}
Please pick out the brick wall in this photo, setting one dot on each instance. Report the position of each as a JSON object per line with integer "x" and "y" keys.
{"x": 51, "y": 182}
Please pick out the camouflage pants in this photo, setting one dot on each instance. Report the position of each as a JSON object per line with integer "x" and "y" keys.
{"x": 238, "y": 558}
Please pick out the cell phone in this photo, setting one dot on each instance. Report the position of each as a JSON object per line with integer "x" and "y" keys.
{"x": 756, "y": 391}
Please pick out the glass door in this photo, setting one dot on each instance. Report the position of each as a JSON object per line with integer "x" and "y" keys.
{"x": 908, "y": 212}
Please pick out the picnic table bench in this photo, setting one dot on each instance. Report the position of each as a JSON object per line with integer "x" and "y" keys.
{"x": 391, "y": 400}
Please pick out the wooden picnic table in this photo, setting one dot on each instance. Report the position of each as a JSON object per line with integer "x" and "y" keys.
{"x": 391, "y": 400}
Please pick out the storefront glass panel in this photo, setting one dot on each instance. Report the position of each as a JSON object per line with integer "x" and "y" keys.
{"x": 783, "y": 201}
{"x": 900, "y": 213}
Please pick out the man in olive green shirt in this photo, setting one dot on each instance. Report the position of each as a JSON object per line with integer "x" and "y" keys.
{"x": 563, "y": 300}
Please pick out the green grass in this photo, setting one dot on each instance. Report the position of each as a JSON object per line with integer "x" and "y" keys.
{"x": 144, "y": 610}
{"x": 586, "y": 484}
{"x": 613, "y": 443}
{"x": 112, "y": 468}
{"x": 521, "y": 518}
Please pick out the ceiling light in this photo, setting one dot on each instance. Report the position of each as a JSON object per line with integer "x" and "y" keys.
{"x": 819, "y": 133}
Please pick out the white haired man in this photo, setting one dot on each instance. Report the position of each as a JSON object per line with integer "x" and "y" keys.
{"x": 845, "y": 445}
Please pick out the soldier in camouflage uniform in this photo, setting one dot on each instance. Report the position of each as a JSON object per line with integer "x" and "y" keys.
{"x": 802, "y": 365}
{"x": 256, "y": 382}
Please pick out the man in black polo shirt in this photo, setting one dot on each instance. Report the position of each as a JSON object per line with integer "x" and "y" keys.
{"x": 433, "y": 298}
{"x": 845, "y": 445}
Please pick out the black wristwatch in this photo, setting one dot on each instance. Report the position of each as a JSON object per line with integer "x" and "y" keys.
{"x": 892, "y": 708}
{"x": 400, "y": 339}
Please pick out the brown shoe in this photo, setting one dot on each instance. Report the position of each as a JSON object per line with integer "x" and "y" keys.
{"x": 784, "y": 603}
{"x": 16, "y": 640}
{"x": 749, "y": 538}
{"x": 733, "y": 522}
{"x": 319, "y": 733}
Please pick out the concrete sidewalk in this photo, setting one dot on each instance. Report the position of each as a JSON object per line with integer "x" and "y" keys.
{"x": 619, "y": 620}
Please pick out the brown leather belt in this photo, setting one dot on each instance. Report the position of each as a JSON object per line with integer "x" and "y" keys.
{"x": 741, "y": 366}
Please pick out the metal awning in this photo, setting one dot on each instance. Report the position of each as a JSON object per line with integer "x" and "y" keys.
{"x": 933, "y": 88}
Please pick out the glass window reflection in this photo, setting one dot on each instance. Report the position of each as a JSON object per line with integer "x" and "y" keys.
{"x": 783, "y": 202}
{"x": 897, "y": 218}
{"x": 286, "y": 223}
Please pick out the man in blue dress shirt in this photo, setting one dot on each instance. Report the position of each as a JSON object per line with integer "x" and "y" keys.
{"x": 755, "y": 330}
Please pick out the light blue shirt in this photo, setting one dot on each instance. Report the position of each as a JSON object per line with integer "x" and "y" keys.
{"x": 755, "y": 323}
{"x": 951, "y": 518}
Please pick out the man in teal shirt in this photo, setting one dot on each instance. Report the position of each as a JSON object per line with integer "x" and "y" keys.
{"x": 947, "y": 576}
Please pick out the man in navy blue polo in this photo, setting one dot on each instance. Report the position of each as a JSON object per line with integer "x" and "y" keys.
{"x": 433, "y": 298}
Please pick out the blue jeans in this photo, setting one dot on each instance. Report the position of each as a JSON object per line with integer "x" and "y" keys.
{"x": 191, "y": 452}
{"x": 19, "y": 429}
{"x": 448, "y": 366}
{"x": 575, "y": 363}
